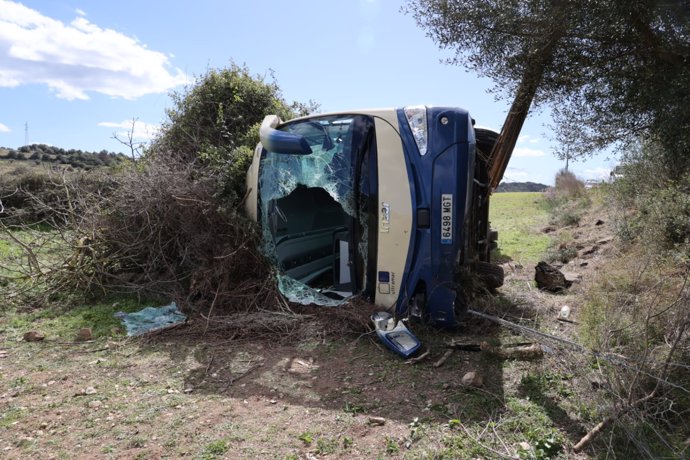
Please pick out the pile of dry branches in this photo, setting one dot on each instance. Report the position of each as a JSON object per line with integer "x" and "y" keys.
{"x": 156, "y": 228}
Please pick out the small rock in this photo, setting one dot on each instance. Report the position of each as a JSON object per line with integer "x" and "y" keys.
{"x": 3, "y": 353}
{"x": 43, "y": 425}
{"x": 599, "y": 222}
{"x": 549, "y": 278}
{"x": 473, "y": 379}
{"x": 565, "y": 312}
{"x": 525, "y": 446}
{"x": 90, "y": 391}
{"x": 84, "y": 334}
{"x": 572, "y": 277}
{"x": 377, "y": 421}
{"x": 548, "y": 229}
{"x": 34, "y": 336}
{"x": 273, "y": 401}
{"x": 95, "y": 404}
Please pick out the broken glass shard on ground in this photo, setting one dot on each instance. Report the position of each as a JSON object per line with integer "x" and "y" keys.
{"x": 150, "y": 319}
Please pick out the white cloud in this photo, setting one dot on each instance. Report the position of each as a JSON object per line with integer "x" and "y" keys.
{"x": 80, "y": 12}
{"x": 78, "y": 58}
{"x": 527, "y": 152}
{"x": 4, "y": 128}
{"x": 515, "y": 174}
{"x": 142, "y": 131}
{"x": 527, "y": 139}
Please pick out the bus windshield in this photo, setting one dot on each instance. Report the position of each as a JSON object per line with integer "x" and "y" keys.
{"x": 310, "y": 208}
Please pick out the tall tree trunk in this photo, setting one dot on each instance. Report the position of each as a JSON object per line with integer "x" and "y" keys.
{"x": 534, "y": 72}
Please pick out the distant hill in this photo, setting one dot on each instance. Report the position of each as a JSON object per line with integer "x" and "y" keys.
{"x": 48, "y": 154}
{"x": 521, "y": 187}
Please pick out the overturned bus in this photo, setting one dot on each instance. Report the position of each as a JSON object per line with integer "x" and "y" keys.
{"x": 391, "y": 204}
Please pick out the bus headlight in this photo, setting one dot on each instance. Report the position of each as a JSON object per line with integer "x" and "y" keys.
{"x": 416, "y": 119}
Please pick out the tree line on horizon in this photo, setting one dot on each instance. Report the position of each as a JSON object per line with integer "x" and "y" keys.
{"x": 50, "y": 154}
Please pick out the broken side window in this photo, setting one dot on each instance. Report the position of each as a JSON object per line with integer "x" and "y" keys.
{"x": 312, "y": 221}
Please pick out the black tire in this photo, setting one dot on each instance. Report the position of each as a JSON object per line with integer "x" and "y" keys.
{"x": 491, "y": 275}
{"x": 486, "y": 139}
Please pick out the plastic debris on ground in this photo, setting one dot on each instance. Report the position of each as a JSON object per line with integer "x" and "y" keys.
{"x": 395, "y": 335}
{"x": 150, "y": 319}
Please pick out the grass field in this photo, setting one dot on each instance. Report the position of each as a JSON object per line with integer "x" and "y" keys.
{"x": 519, "y": 218}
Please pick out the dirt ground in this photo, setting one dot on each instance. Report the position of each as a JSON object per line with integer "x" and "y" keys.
{"x": 174, "y": 395}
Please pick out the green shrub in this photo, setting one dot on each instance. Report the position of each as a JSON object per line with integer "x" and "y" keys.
{"x": 567, "y": 200}
{"x": 653, "y": 202}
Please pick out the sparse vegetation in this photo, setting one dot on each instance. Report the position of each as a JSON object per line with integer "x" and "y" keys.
{"x": 567, "y": 199}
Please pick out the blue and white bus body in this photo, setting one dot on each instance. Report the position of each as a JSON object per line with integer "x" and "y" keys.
{"x": 414, "y": 211}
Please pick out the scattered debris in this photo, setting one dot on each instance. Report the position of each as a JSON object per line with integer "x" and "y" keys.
{"x": 532, "y": 351}
{"x": 84, "y": 334}
{"x": 377, "y": 421}
{"x": 443, "y": 359}
{"x": 34, "y": 336}
{"x": 151, "y": 319}
{"x": 472, "y": 379}
{"x": 301, "y": 366}
{"x": 463, "y": 346}
{"x": 395, "y": 335}
{"x": 564, "y": 313}
{"x": 417, "y": 359}
{"x": 549, "y": 278}
{"x": 563, "y": 320}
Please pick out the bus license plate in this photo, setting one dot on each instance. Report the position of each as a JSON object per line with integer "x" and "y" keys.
{"x": 447, "y": 218}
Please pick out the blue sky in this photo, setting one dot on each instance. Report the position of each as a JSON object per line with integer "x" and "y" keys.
{"x": 78, "y": 72}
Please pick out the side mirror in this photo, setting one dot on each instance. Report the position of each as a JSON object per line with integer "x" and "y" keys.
{"x": 278, "y": 141}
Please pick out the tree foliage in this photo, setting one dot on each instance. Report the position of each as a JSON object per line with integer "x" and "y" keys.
{"x": 620, "y": 69}
{"x": 214, "y": 123}
{"x": 221, "y": 110}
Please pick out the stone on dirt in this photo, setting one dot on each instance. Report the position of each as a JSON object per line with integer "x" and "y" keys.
{"x": 84, "y": 334}
{"x": 549, "y": 278}
{"x": 377, "y": 421}
{"x": 34, "y": 336}
{"x": 472, "y": 379}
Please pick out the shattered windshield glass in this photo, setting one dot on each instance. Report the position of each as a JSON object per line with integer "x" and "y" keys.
{"x": 310, "y": 210}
